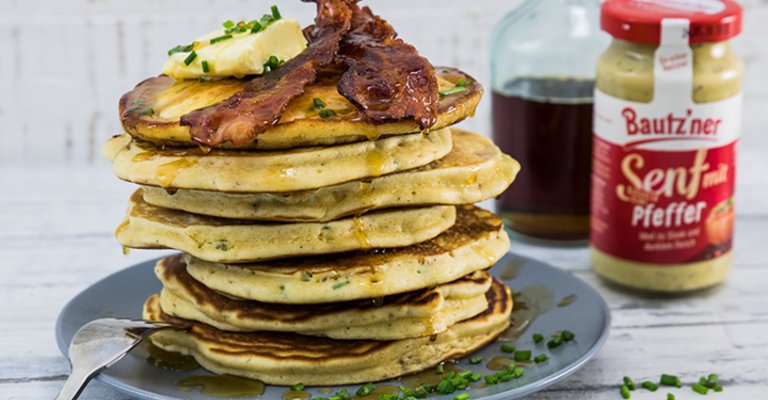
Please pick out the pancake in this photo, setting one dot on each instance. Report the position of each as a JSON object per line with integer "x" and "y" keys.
{"x": 286, "y": 359}
{"x": 474, "y": 170}
{"x": 273, "y": 171}
{"x": 299, "y": 125}
{"x": 414, "y": 314}
{"x": 475, "y": 242}
{"x": 227, "y": 240}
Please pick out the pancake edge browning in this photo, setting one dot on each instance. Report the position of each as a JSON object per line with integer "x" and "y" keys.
{"x": 292, "y": 131}
{"x": 233, "y": 241}
{"x": 286, "y": 359}
{"x": 419, "y": 313}
{"x": 453, "y": 179}
{"x": 475, "y": 242}
{"x": 272, "y": 171}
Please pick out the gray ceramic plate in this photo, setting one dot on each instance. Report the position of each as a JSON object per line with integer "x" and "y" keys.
{"x": 547, "y": 300}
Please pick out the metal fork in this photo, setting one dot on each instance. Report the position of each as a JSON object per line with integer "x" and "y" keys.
{"x": 98, "y": 345}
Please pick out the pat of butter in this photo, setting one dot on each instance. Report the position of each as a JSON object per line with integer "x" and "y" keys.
{"x": 244, "y": 54}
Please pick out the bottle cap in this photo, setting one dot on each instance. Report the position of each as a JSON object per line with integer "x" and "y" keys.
{"x": 640, "y": 20}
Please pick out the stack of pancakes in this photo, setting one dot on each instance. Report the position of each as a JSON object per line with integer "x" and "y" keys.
{"x": 328, "y": 251}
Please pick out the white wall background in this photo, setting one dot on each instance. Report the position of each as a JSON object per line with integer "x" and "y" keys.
{"x": 65, "y": 63}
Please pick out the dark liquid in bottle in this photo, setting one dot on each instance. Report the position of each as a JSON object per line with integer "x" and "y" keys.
{"x": 546, "y": 125}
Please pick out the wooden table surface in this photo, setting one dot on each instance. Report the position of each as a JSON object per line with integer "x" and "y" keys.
{"x": 56, "y": 238}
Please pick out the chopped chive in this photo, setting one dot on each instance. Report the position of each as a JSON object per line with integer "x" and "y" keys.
{"x": 327, "y": 113}
{"x": 703, "y": 381}
{"x": 670, "y": 396}
{"x": 298, "y": 387}
{"x": 508, "y": 348}
{"x": 255, "y": 26}
{"x": 440, "y": 368}
{"x": 228, "y": 24}
{"x": 317, "y": 103}
{"x": 276, "y": 13}
{"x": 365, "y": 390}
{"x": 522, "y": 355}
{"x": 405, "y": 390}
{"x": 421, "y": 391}
{"x": 700, "y": 389}
{"x": 670, "y": 380}
{"x": 555, "y": 342}
{"x": 491, "y": 379}
{"x": 453, "y": 90}
{"x": 712, "y": 381}
{"x": 625, "y": 392}
{"x": 138, "y": 102}
{"x": 475, "y": 377}
{"x": 630, "y": 384}
{"x": 461, "y": 82}
{"x": 476, "y": 360}
{"x": 518, "y": 372}
{"x": 341, "y": 284}
{"x": 510, "y": 367}
{"x": 445, "y": 387}
{"x": 221, "y": 38}
{"x": 181, "y": 49}
{"x": 568, "y": 335}
{"x": 650, "y": 386}
{"x": 541, "y": 358}
{"x": 175, "y": 50}
{"x": 265, "y": 20}
{"x": 148, "y": 111}
{"x": 537, "y": 337}
{"x": 271, "y": 63}
{"x": 463, "y": 396}
{"x": 191, "y": 57}
{"x": 206, "y": 69}
{"x": 718, "y": 388}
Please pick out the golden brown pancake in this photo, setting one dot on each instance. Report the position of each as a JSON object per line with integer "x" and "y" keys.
{"x": 300, "y": 124}
{"x": 272, "y": 171}
{"x": 475, "y": 242}
{"x": 420, "y": 313}
{"x": 286, "y": 359}
{"x": 474, "y": 170}
{"x": 236, "y": 241}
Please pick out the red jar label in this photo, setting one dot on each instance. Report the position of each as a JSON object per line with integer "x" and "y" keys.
{"x": 663, "y": 179}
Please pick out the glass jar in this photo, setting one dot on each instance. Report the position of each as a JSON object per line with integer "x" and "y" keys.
{"x": 667, "y": 120}
{"x": 542, "y": 67}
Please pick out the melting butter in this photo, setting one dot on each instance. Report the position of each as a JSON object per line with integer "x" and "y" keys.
{"x": 243, "y": 54}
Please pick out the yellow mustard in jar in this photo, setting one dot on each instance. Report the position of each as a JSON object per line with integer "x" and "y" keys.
{"x": 666, "y": 123}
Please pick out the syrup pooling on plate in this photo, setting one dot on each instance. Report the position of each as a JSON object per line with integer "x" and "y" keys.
{"x": 499, "y": 362}
{"x": 430, "y": 376}
{"x": 296, "y": 395}
{"x": 529, "y": 303}
{"x": 567, "y": 300}
{"x": 222, "y": 385}
{"x": 169, "y": 360}
{"x": 380, "y": 390}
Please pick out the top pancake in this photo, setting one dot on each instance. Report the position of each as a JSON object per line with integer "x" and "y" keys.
{"x": 299, "y": 125}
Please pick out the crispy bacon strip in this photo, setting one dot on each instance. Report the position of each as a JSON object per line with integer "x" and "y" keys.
{"x": 242, "y": 117}
{"x": 387, "y": 79}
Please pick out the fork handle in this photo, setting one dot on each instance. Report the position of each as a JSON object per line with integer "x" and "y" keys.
{"x": 75, "y": 384}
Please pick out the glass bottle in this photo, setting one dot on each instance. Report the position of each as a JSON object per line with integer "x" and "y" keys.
{"x": 542, "y": 67}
